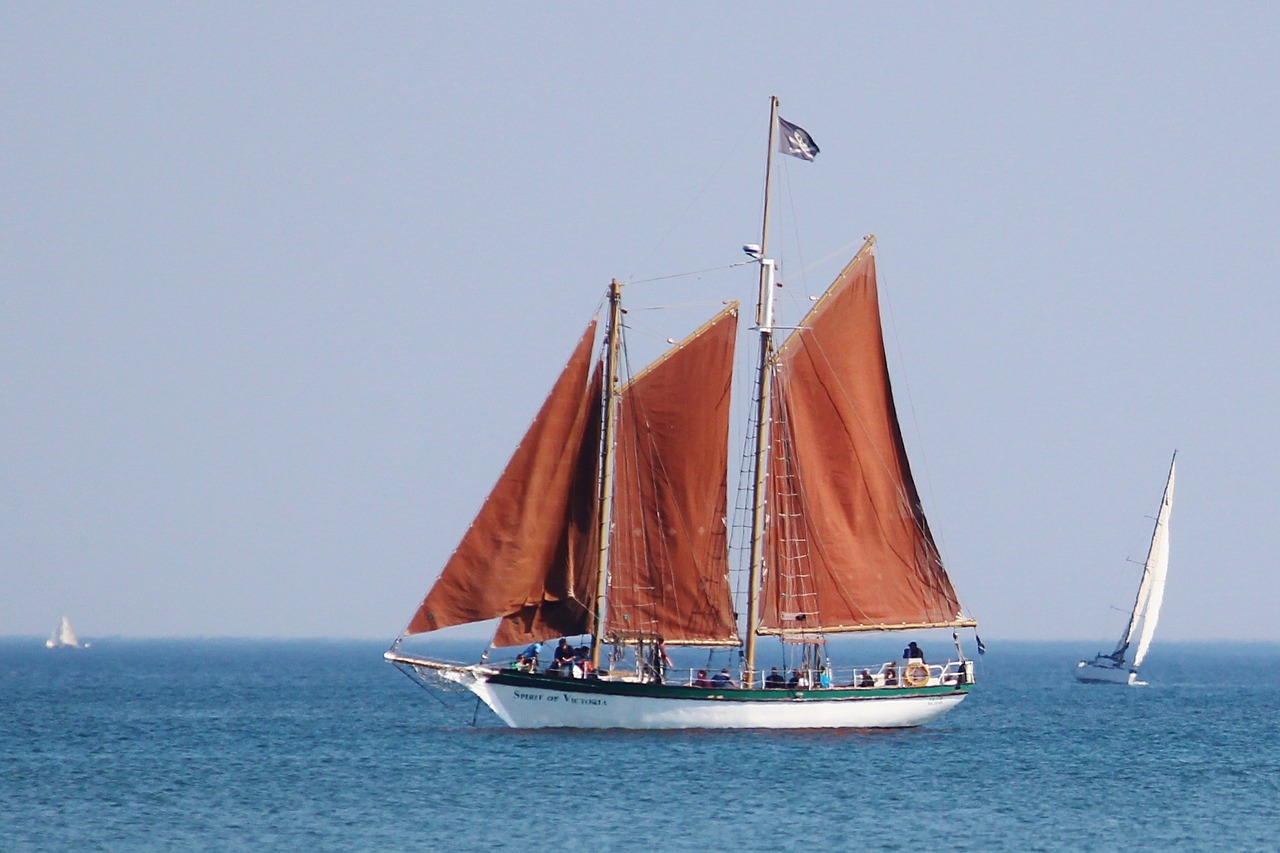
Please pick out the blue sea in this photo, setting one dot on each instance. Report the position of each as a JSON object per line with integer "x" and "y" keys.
{"x": 319, "y": 745}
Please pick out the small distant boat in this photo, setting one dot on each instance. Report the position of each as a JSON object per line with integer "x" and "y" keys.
{"x": 64, "y": 638}
{"x": 1121, "y": 666}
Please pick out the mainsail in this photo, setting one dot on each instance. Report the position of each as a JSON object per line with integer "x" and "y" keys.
{"x": 668, "y": 566}
{"x": 63, "y": 636}
{"x": 1146, "y": 607}
{"x": 847, "y": 544}
{"x": 528, "y": 558}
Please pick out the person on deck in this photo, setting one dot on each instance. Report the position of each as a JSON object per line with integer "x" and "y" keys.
{"x": 890, "y": 674}
{"x": 531, "y": 655}
{"x": 702, "y": 680}
{"x": 563, "y": 660}
{"x": 774, "y": 680}
{"x": 723, "y": 679}
{"x": 580, "y": 666}
{"x": 866, "y": 679}
{"x": 913, "y": 652}
{"x": 794, "y": 682}
{"x": 659, "y": 660}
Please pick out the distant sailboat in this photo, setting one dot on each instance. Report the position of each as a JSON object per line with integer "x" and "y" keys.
{"x": 1121, "y": 666}
{"x": 64, "y": 638}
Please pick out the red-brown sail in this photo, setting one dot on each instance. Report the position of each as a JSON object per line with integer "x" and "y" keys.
{"x": 668, "y": 556}
{"x": 847, "y": 544}
{"x": 528, "y": 557}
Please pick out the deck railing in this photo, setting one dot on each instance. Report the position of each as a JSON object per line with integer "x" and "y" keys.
{"x": 900, "y": 673}
{"x": 895, "y": 673}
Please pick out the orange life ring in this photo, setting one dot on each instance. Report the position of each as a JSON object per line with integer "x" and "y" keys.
{"x": 916, "y": 675}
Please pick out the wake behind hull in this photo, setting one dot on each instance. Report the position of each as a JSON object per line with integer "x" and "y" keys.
{"x": 532, "y": 702}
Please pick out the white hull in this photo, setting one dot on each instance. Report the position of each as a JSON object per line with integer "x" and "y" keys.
{"x": 1094, "y": 673}
{"x": 570, "y": 704}
{"x": 526, "y": 709}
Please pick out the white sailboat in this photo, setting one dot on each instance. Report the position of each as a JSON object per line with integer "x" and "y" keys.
{"x": 63, "y": 637}
{"x": 1121, "y": 665}
{"x": 609, "y": 522}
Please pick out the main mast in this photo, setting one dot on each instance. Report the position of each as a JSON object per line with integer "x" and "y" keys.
{"x": 613, "y": 335}
{"x": 764, "y": 322}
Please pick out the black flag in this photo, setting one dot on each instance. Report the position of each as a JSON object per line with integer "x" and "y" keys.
{"x": 795, "y": 140}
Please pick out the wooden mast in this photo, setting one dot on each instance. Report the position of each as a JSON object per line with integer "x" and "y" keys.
{"x": 764, "y": 321}
{"x": 613, "y": 335}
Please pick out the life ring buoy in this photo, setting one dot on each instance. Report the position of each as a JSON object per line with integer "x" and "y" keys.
{"x": 916, "y": 675}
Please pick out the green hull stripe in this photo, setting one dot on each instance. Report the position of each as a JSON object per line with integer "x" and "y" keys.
{"x": 670, "y": 691}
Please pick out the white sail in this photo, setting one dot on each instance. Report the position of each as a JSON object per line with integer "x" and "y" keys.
{"x": 63, "y": 637}
{"x": 1151, "y": 592}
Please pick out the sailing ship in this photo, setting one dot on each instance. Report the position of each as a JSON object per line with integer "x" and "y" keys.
{"x": 63, "y": 637}
{"x": 1121, "y": 665}
{"x": 609, "y": 523}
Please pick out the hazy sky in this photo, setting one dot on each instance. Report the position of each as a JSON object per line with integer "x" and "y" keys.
{"x": 282, "y": 284}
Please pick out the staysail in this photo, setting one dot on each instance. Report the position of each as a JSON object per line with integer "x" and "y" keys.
{"x": 1146, "y": 607}
{"x": 668, "y": 563}
{"x": 528, "y": 557}
{"x": 847, "y": 545}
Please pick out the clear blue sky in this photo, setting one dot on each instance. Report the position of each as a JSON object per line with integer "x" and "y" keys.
{"x": 282, "y": 284}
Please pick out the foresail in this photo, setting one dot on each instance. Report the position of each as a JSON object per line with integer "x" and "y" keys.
{"x": 668, "y": 555}
{"x": 847, "y": 544}
{"x": 528, "y": 557}
{"x": 1151, "y": 591}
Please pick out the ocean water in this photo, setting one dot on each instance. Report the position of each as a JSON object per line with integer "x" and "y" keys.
{"x": 315, "y": 745}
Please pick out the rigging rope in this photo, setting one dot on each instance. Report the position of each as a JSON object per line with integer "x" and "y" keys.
{"x": 417, "y": 679}
{"x": 691, "y": 272}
